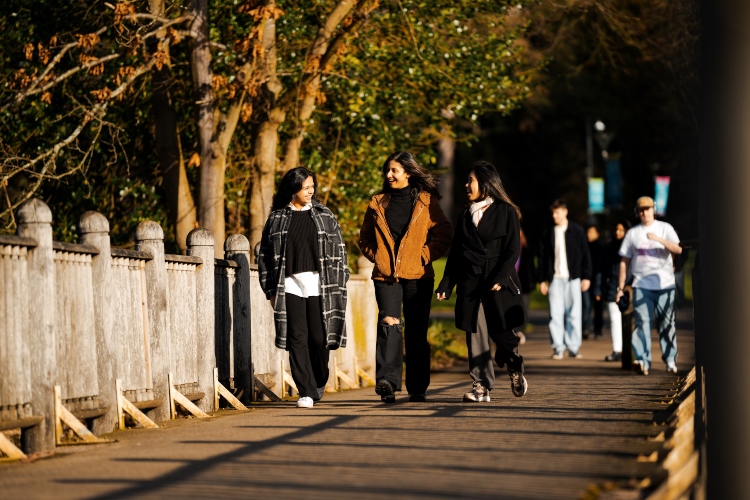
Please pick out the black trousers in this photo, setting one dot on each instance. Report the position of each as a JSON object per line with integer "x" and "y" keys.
{"x": 589, "y": 302}
{"x": 506, "y": 353}
{"x": 306, "y": 343}
{"x": 415, "y": 296}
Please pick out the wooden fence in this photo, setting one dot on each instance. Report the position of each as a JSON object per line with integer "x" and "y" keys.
{"x": 90, "y": 333}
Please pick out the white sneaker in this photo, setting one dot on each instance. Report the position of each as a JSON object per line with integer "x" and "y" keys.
{"x": 305, "y": 402}
{"x": 639, "y": 366}
{"x": 478, "y": 393}
{"x": 671, "y": 367}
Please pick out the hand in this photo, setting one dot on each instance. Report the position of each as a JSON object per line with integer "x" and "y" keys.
{"x": 273, "y": 301}
{"x": 619, "y": 294}
{"x": 585, "y": 284}
{"x": 440, "y": 296}
{"x": 544, "y": 287}
{"x": 598, "y": 298}
{"x": 496, "y": 287}
{"x": 652, "y": 236}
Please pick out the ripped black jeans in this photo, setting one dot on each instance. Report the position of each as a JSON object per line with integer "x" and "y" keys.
{"x": 415, "y": 295}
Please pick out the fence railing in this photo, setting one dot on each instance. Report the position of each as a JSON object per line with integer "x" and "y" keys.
{"x": 87, "y": 330}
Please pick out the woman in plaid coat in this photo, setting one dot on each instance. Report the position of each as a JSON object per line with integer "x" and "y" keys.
{"x": 303, "y": 271}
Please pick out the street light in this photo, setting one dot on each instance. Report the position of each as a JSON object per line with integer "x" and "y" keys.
{"x": 603, "y": 137}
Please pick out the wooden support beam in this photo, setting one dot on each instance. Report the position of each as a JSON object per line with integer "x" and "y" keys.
{"x": 265, "y": 390}
{"x": 341, "y": 375}
{"x": 63, "y": 415}
{"x": 220, "y": 390}
{"x": 7, "y": 447}
{"x": 176, "y": 397}
{"x": 359, "y": 372}
{"x": 286, "y": 380}
{"x": 125, "y": 406}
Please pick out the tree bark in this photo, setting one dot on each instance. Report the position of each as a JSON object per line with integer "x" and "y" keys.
{"x": 306, "y": 107}
{"x": 211, "y": 205}
{"x": 168, "y": 149}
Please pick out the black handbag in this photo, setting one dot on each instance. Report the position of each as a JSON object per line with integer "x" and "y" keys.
{"x": 624, "y": 301}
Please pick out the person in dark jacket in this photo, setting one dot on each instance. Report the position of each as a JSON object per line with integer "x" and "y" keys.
{"x": 527, "y": 274}
{"x": 481, "y": 261}
{"x": 592, "y": 298}
{"x": 610, "y": 272}
{"x": 564, "y": 272}
{"x": 303, "y": 271}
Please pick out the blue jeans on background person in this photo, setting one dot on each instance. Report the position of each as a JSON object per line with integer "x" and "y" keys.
{"x": 565, "y": 314}
{"x": 646, "y": 305}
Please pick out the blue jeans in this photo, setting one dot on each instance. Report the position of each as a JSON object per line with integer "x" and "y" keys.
{"x": 647, "y": 304}
{"x": 565, "y": 314}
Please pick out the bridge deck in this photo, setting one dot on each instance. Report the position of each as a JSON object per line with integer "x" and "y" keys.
{"x": 583, "y": 422}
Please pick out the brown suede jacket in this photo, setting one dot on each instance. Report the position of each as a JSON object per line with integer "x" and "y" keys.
{"x": 427, "y": 238}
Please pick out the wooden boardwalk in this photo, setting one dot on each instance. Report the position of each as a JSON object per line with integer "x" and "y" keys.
{"x": 583, "y": 423}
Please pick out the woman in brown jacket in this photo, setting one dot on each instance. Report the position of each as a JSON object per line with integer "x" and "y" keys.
{"x": 404, "y": 230}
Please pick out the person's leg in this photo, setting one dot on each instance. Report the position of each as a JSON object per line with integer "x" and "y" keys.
{"x": 643, "y": 311}
{"x": 389, "y": 351}
{"x": 506, "y": 353}
{"x": 480, "y": 357}
{"x": 556, "y": 297}
{"x": 317, "y": 343}
{"x": 573, "y": 334}
{"x": 417, "y": 299}
{"x": 665, "y": 322}
{"x": 586, "y": 314}
{"x": 297, "y": 342}
{"x": 598, "y": 316}
{"x": 615, "y": 326}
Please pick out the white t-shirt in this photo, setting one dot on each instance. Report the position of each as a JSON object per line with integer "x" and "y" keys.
{"x": 651, "y": 262}
{"x": 561, "y": 254}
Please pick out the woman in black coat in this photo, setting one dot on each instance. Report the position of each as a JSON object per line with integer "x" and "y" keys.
{"x": 482, "y": 258}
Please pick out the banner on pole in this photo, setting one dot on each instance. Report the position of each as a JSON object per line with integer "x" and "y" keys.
{"x": 661, "y": 194}
{"x": 614, "y": 183}
{"x": 596, "y": 195}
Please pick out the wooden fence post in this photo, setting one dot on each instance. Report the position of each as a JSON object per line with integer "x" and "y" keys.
{"x": 93, "y": 229}
{"x": 35, "y": 221}
{"x": 237, "y": 248}
{"x": 149, "y": 237}
{"x": 200, "y": 243}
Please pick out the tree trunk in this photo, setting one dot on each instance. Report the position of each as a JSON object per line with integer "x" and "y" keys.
{"x": 304, "y": 112}
{"x": 446, "y": 152}
{"x": 168, "y": 149}
{"x": 211, "y": 206}
{"x": 264, "y": 168}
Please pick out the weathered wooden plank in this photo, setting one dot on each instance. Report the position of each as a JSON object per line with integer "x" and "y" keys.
{"x": 183, "y": 259}
{"x": 237, "y": 249}
{"x": 20, "y": 241}
{"x": 7, "y": 447}
{"x": 124, "y": 253}
{"x": 200, "y": 244}
{"x": 75, "y": 248}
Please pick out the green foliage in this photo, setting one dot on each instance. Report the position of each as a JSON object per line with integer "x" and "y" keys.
{"x": 447, "y": 344}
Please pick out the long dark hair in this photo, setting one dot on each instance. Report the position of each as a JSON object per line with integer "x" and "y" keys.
{"x": 491, "y": 185}
{"x": 420, "y": 179}
{"x": 291, "y": 184}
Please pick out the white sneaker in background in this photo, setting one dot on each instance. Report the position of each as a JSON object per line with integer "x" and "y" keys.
{"x": 671, "y": 367}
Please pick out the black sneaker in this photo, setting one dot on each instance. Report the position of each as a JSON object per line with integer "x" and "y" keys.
{"x": 518, "y": 384}
{"x": 417, "y": 398}
{"x": 385, "y": 390}
{"x": 615, "y": 356}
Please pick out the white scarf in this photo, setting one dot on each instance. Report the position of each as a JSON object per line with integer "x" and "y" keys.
{"x": 477, "y": 209}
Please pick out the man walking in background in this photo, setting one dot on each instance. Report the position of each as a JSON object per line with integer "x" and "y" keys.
{"x": 592, "y": 298}
{"x": 648, "y": 248}
{"x": 564, "y": 272}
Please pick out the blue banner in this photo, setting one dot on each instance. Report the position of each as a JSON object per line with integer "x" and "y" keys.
{"x": 614, "y": 183}
{"x": 596, "y": 195}
{"x": 661, "y": 194}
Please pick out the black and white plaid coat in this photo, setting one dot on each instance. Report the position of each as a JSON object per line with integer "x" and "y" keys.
{"x": 334, "y": 272}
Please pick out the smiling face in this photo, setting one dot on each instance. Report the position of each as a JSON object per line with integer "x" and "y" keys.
{"x": 620, "y": 231}
{"x": 472, "y": 188}
{"x": 304, "y": 195}
{"x": 396, "y": 175}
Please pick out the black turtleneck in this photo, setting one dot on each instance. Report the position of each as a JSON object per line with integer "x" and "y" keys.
{"x": 398, "y": 213}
